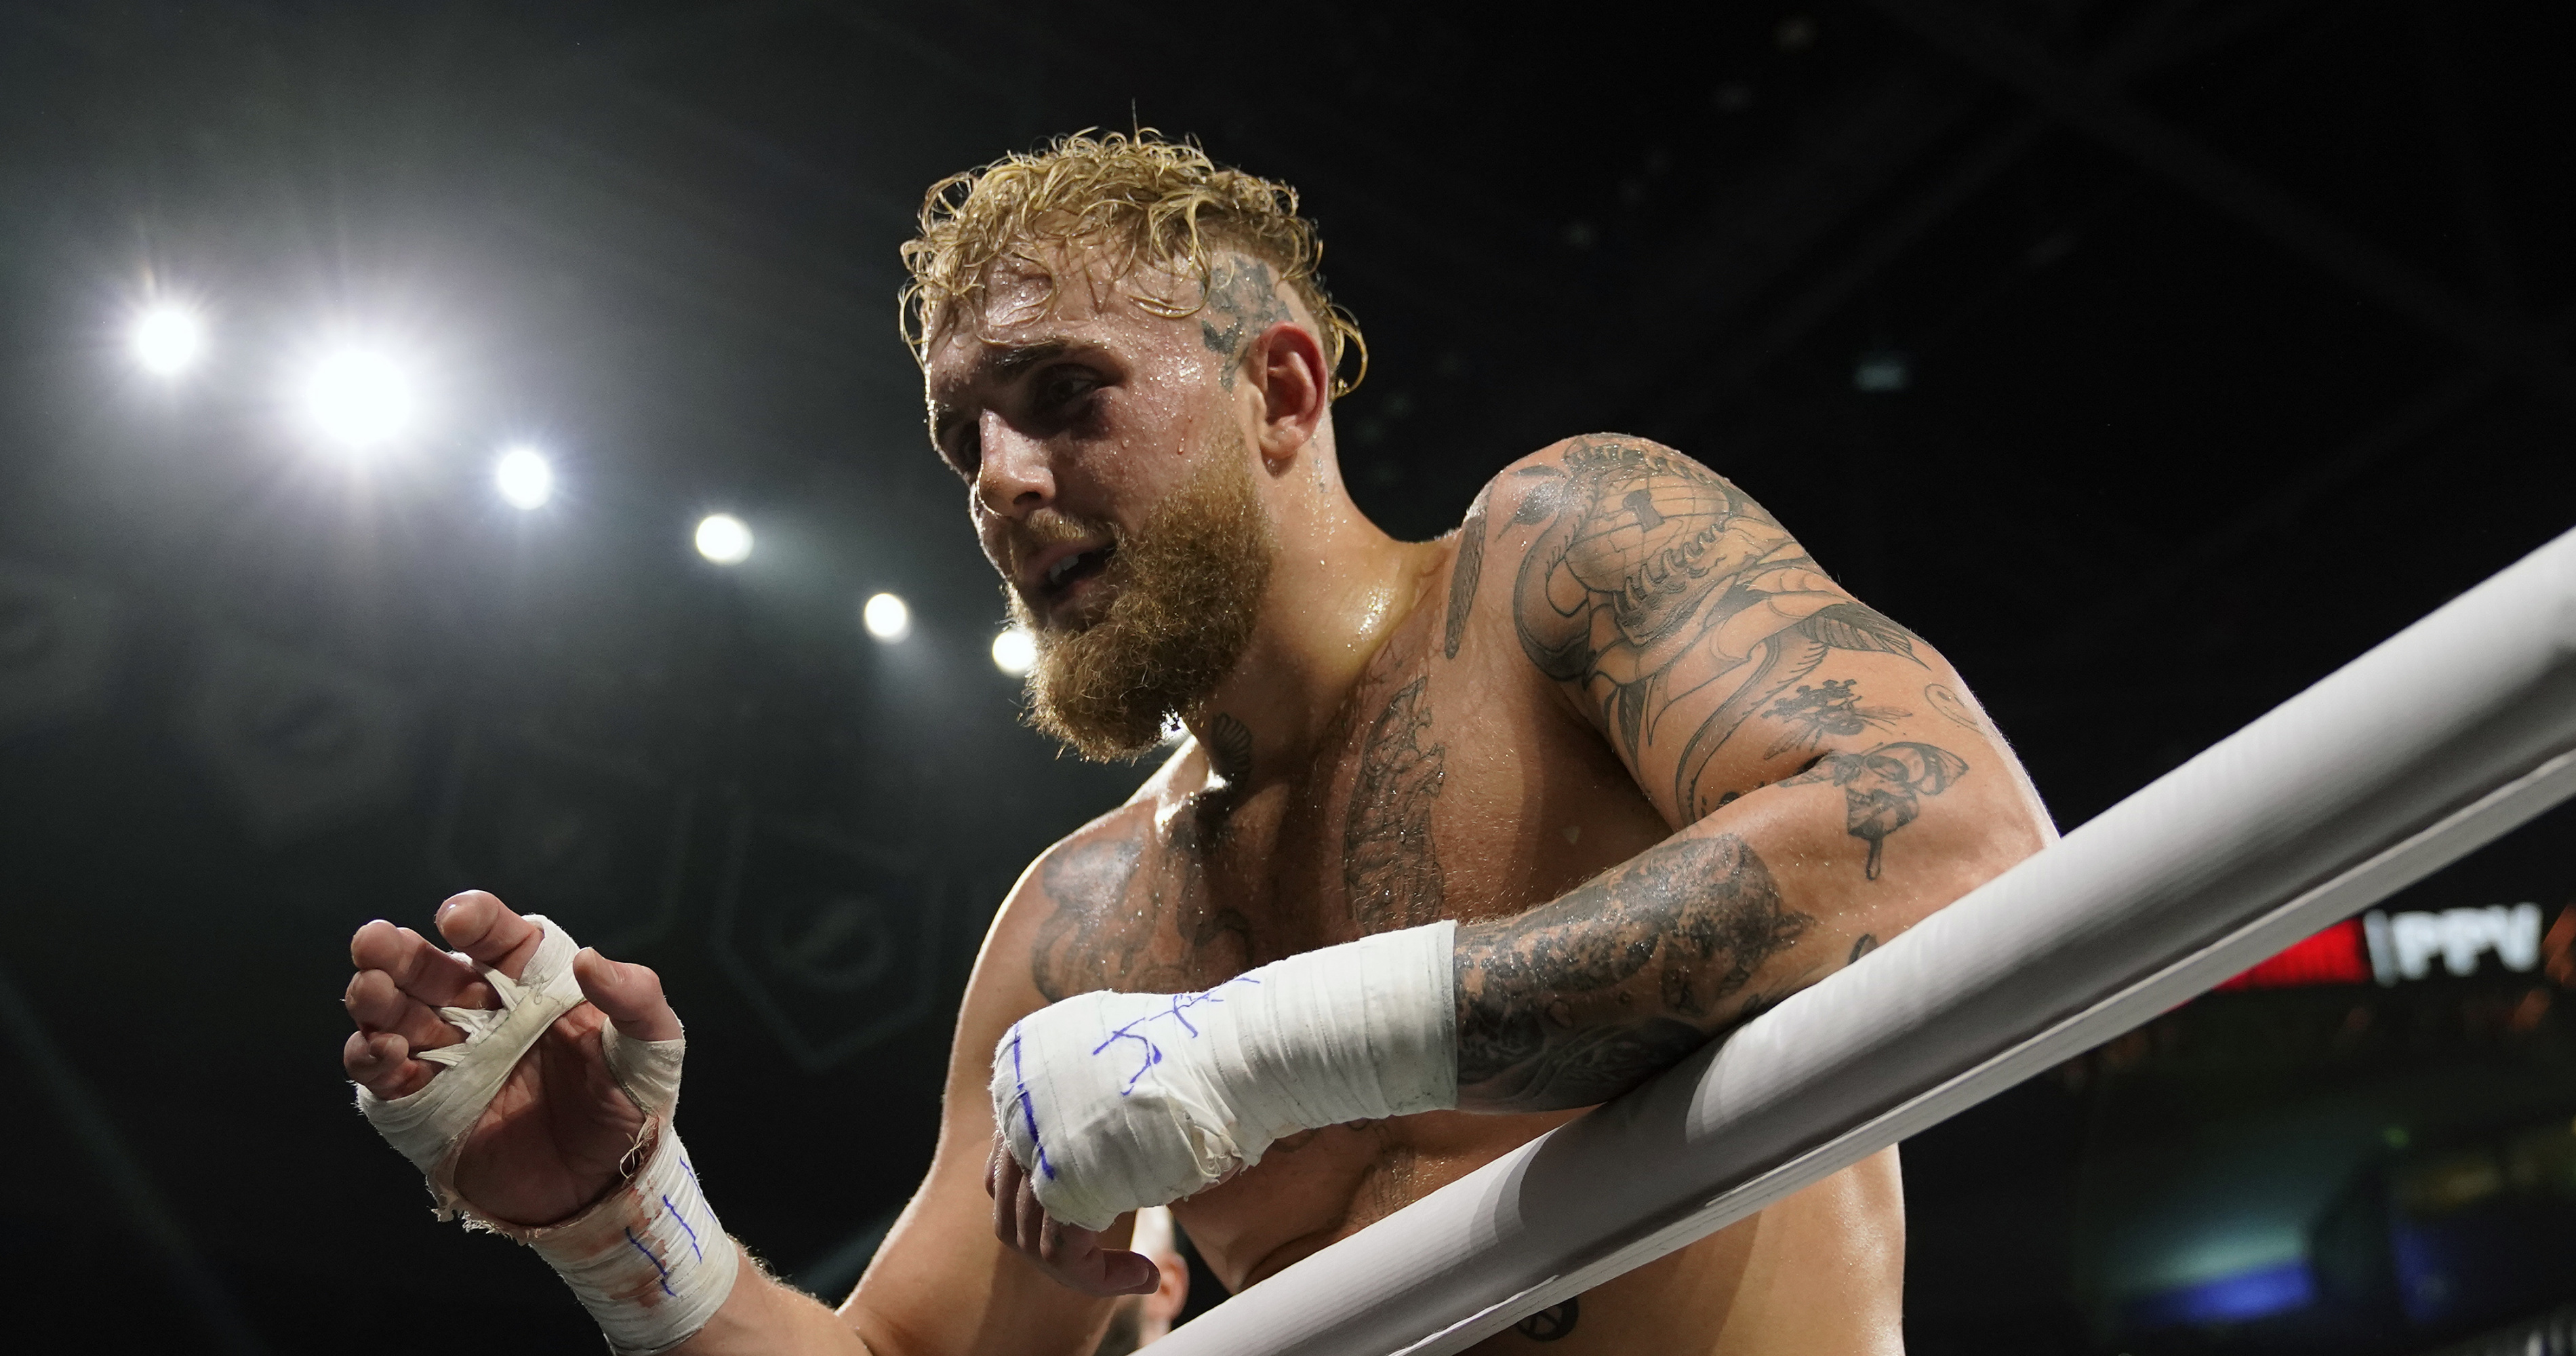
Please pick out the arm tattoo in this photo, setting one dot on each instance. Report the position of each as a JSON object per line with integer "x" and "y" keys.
{"x": 1241, "y": 292}
{"x": 1579, "y": 1000}
{"x": 1390, "y": 867}
{"x": 1946, "y": 702}
{"x": 1469, "y": 569}
{"x": 1135, "y": 921}
{"x": 1652, "y": 579}
{"x": 1883, "y": 788}
{"x": 1828, "y": 711}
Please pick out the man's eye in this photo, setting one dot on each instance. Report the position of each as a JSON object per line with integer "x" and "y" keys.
{"x": 1063, "y": 386}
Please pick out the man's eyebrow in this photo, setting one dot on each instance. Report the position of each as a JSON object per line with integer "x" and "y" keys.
{"x": 1005, "y": 362}
{"x": 998, "y": 362}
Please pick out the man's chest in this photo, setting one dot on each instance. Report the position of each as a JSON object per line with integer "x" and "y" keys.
{"x": 1440, "y": 793}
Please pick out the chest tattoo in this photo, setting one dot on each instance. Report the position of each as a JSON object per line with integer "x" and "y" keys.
{"x": 1229, "y": 747}
{"x": 1551, "y": 1323}
{"x": 1137, "y": 916}
{"x": 1390, "y": 866}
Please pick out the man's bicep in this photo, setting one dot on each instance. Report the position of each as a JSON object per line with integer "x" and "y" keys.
{"x": 942, "y": 1282}
{"x": 1680, "y": 616}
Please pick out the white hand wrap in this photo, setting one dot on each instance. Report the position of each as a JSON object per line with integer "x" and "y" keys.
{"x": 649, "y": 1262}
{"x": 1112, "y": 1102}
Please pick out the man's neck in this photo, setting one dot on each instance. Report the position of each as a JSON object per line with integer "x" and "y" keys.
{"x": 1338, "y": 587}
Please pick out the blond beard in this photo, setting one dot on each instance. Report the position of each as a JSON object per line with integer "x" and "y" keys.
{"x": 1186, "y": 589}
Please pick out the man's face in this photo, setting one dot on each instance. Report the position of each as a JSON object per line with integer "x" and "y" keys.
{"x": 1112, "y": 488}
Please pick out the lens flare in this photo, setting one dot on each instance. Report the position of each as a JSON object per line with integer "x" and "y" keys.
{"x": 523, "y": 477}
{"x": 724, "y": 539}
{"x": 360, "y": 398}
{"x": 886, "y": 617}
{"x": 167, "y": 340}
{"x": 1015, "y": 651}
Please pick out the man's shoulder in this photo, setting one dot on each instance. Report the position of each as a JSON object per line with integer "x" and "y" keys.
{"x": 1591, "y": 471}
{"x": 1115, "y": 842}
{"x": 1078, "y": 880}
{"x": 1183, "y": 771}
{"x": 1531, "y": 486}
{"x": 1558, "y": 486}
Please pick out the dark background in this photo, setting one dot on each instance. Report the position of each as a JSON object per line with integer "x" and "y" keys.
{"x": 2153, "y": 358}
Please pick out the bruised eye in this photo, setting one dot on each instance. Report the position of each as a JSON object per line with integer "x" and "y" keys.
{"x": 1059, "y": 387}
{"x": 964, "y": 450}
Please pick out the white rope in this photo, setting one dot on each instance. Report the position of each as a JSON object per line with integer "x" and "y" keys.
{"x": 2433, "y": 744}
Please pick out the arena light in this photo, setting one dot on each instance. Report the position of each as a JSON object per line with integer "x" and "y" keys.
{"x": 167, "y": 339}
{"x": 1015, "y": 651}
{"x": 886, "y": 617}
{"x": 724, "y": 539}
{"x": 359, "y": 398}
{"x": 523, "y": 477}
{"x": 1882, "y": 372}
{"x": 2393, "y": 947}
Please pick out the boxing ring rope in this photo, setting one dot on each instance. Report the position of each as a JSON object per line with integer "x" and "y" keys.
{"x": 2431, "y": 745}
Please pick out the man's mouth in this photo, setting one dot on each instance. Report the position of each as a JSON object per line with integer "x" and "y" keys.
{"x": 1062, "y": 579}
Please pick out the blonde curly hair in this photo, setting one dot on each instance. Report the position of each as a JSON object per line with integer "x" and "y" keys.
{"x": 1160, "y": 203}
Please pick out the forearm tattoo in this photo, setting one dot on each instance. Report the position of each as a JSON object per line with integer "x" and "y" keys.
{"x": 1581, "y": 999}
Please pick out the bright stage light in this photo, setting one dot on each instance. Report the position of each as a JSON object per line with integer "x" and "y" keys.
{"x": 724, "y": 539}
{"x": 167, "y": 340}
{"x": 359, "y": 398}
{"x": 523, "y": 477}
{"x": 886, "y": 617}
{"x": 1015, "y": 651}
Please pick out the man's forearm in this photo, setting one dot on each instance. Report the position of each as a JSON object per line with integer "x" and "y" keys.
{"x": 765, "y": 1316}
{"x": 1109, "y": 1101}
{"x": 1583, "y": 998}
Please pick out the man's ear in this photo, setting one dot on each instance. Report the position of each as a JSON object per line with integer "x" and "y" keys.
{"x": 1293, "y": 380}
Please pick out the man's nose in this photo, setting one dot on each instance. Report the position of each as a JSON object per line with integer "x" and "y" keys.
{"x": 1014, "y": 478}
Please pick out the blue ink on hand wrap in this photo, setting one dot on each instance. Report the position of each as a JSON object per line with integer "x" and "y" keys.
{"x": 683, "y": 1222}
{"x": 1028, "y": 1110}
{"x": 1179, "y": 1004}
{"x": 656, "y": 1261}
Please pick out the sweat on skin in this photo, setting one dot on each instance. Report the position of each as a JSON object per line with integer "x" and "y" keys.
{"x": 1614, "y": 619}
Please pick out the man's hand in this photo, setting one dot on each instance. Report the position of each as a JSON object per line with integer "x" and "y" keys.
{"x": 556, "y": 1137}
{"x": 1070, "y": 1253}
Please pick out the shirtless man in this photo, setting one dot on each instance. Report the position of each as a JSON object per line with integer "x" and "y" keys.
{"x": 1522, "y": 815}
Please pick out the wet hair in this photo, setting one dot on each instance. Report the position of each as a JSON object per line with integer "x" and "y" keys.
{"x": 1157, "y": 204}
